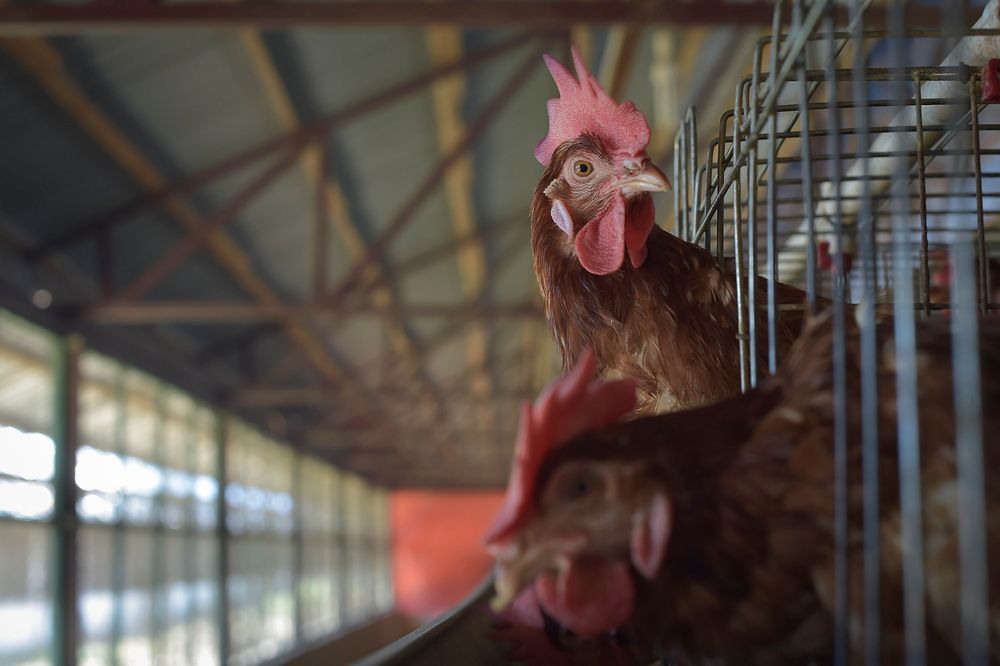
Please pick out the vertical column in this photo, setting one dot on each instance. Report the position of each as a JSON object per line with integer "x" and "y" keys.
{"x": 192, "y": 541}
{"x": 65, "y": 628}
{"x": 118, "y": 535}
{"x": 158, "y": 591}
{"x": 344, "y": 565}
{"x": 297, "y": 543}
{"x": 335, "y": 544}
{"x": 222, "y": 539}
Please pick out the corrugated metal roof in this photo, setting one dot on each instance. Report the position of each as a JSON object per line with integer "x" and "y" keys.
{"x": 186, "y": 100}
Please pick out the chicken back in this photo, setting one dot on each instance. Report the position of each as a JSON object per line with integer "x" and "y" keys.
{"x": 707, "y": 535}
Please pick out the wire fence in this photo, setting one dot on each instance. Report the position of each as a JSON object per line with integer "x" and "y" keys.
{"x": 862, "y": 163}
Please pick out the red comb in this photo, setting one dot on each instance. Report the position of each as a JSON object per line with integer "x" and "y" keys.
{"x": 572, "y": 405}
{"x": 583, "y": 106}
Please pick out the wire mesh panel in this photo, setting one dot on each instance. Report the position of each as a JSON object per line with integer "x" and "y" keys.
{"x": 861, "y": 162}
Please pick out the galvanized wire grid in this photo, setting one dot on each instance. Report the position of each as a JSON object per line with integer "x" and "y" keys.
{"x": 875, "y": 174}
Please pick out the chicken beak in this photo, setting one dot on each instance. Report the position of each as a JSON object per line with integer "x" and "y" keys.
{"x": 507, "y": 584}
{"x": 648, "y": 179}
{"x": 518, "y": 564}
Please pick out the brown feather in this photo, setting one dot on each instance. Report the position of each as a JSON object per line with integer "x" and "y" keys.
{"x": 671, "y": 324}
{"x": 748, "y": 576}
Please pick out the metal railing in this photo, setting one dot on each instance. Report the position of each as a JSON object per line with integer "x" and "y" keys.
{"x": 860, "y": 163}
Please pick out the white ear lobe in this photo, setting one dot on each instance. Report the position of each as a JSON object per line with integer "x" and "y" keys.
{"x": 562, "y": 218}
{"x": 650, "y": 534}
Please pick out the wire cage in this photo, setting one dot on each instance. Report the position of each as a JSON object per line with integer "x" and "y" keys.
{"x": 861, "y": 161}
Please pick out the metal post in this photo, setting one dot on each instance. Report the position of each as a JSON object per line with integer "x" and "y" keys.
{"x": 925, "y": 273}
{"x": 118, "y": 558}
{"x": 806, "y": 152}
{"x": 908, "y": 411}
{"x": 158, "y": 589}
{"x": 741, "y": 317}
{"x": 841, "y": 630}
{"x": 191, "y": 543}
{"x": 343, "y": 565}
{"x": 64, "y": 433}
{"x": 772, "y": 200}
{"x": 973, "y": 561}
{"x": 984, "y": 276}
{"x": 871, "y": 565}
{"x": 298, "y": 556}
{"x": 222, "y": 536}
{"x": 752, "y": 310}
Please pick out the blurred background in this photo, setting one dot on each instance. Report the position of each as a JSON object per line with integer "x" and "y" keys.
{"x": 267, "y": 309}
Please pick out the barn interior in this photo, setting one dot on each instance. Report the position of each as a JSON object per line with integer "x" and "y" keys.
{"x": 268, "y": 312}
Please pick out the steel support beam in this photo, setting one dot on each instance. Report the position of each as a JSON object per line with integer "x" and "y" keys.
{"x": 34, "y": 19}
{"x": 444, "y": 45}
{"x": 207, "y": 312}
{"x": 333, "y": 210}
{"x": 448, "y": 248}
{"x": 64, "y": 434}
{"x": 165, "y": 194}
{"x": 266, "y": 397}
{"x": 196, "y": 239}
{"x": 222, "y": 536}
{"x": 409, "y": 208}
{"x": 42, "y": 62}
{"x": 617, "y": 58}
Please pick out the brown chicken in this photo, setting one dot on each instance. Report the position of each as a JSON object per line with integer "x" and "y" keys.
{"x": 668, "y": 316}
{"x": 706, "y": 536}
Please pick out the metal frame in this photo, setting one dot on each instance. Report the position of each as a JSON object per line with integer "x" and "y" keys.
{"x": 304, "y": 324}
{"x": 871, "y": 206}
{"x": 18, "y": 19}
{"x": 65, "y": 369}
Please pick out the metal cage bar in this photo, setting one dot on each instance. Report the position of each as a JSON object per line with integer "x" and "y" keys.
{"x": 839, "y": 146}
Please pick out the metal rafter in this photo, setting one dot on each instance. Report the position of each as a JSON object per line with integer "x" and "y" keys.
{"x": 617, "y": 58}
{"x": 297, "y": 396}
{"x": 44, "y": 64}
{"x": 448, "y": 249}
{"x": 406, "y": 212}
{"x": 223, "y": 312}
{"x": 444, "y": 44}
{"x": 674, "y": 57}
{"x": 322, "y": 126}
{"x": 501, "y": 262}
{"x": 334, "y": 206}
{"x": 196, "y": 239}
{"x": 36, "y": 18}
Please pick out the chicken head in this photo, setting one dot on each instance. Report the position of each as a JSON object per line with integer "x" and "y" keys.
{"x": 600, "y": 176}
{"x": 577, "y": 531}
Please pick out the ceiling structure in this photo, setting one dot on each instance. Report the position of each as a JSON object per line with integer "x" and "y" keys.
{"x": 315, "y": 214}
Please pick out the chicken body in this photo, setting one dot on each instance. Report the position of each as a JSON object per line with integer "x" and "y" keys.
{"x": 742, "y": 571}
{"x": 667, "y": 317}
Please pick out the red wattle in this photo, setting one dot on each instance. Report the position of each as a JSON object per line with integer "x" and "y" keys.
{"x": 638, "y": 223}
{"x": 591, "y": 597}
{"x": 600, "y": 244}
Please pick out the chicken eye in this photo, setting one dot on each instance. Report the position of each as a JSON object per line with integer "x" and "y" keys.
{"x": 583, "y": 168}
{"x": 580, "y": 486}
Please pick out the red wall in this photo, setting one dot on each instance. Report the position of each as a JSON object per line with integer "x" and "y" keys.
{"x": 438, "y": 557}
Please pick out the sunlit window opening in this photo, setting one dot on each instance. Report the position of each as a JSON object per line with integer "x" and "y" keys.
{"x": 306, "y": 542}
